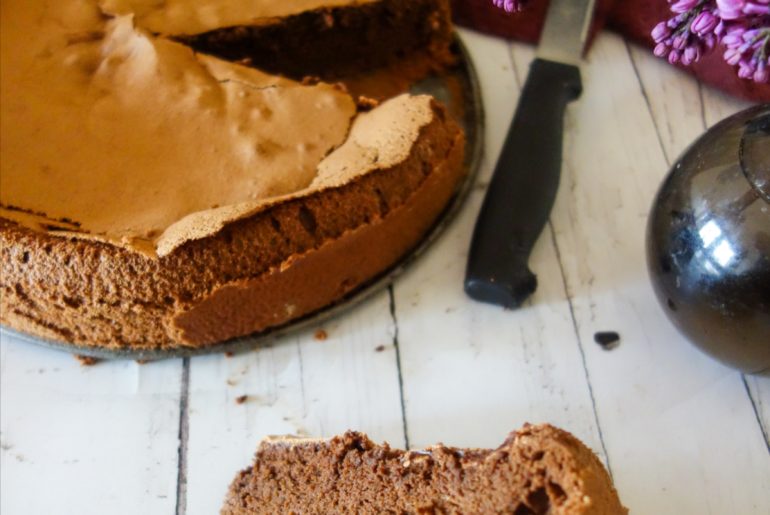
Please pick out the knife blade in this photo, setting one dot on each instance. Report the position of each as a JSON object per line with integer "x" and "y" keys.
{"x": 525, "y": 180}
{"x": 565, "y": 31}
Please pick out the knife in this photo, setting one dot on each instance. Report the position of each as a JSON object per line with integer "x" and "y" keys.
{"x": 525, "y": 180}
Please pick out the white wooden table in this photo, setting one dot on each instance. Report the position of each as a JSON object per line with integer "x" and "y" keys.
{"x": 420, "y": 363}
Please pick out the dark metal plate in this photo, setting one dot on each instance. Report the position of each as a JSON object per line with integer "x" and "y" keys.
{"x": 466, "y": 106}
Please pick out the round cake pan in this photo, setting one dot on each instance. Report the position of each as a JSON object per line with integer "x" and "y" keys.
{"x": 458, "y": 88}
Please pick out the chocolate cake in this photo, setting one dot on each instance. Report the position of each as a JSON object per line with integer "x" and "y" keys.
{"x": 537, "y": 470}
{"x": 154, "y": 196}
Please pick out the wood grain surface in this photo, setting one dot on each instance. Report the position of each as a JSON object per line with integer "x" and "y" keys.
{"x": 420, "y": 363}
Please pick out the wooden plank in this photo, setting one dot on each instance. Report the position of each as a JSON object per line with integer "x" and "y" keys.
{"x": 673, "y": 97}
{"x": 500, "y": 91}
{"x": 718, "y": 105}
{"x": 759, "y": 390}
{"x": 473, "y": 372}
{"x": 99, "y": 439}
{"x": 298, "y": 385}
{"x": 679, "y": 429}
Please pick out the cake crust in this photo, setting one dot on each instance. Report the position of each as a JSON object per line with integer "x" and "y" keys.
{"x": 537, "y": 470}
{"x": 188, "y": 271}
{"x": 110, "y": 297}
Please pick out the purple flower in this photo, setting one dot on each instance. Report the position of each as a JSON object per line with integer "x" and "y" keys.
{"x": 510, "y": 6}
{"x": 735, "y": 9}
{"x": 673, "y": 56}
{"x": 704, "y": 23}
{"x": 690, "y": 55}
{"x": 734, "y": 36}
{"x": 749, "y": 49}
{"x": 683, "y": 6}
{"x": 741, "y": 26}
{"x": 688, "y": 35}
{"x": 661, "y": 32}
{"x": 762, "y": 74}
{"x": 732, "y": 56}
{"x": 660, "y": 50}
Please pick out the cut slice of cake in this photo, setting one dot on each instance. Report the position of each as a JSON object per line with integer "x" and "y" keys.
{"x": 537, "y": 470}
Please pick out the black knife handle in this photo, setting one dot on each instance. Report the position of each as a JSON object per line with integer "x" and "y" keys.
{"x": 523, "y": 188}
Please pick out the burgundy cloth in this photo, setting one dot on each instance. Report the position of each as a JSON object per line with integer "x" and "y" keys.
{"x": 632, "y": 18}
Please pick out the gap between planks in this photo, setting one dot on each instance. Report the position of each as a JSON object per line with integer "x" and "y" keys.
{"x": 394, "y": 319}
{"x": 762, "y": 427}
{"x": 579, "y": 342}
{"x": 184, "y": 435}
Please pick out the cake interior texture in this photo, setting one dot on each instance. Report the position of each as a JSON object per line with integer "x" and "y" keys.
{"x": 538, "y": 470}
{"x": 157, "y": 196}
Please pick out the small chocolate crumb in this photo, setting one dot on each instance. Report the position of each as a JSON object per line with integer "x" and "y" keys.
{"x": 142, "y": 361}
{"x": 241, "y": 399}
{"x": 320, "y": 335}
{"x": 229, "y": 354}
{"x": 607, "y": 339}
{"x": 86, "y": 361}
{"x": 379, "y": 348}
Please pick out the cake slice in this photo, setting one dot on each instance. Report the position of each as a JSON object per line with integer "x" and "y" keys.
{"x": 537, "y": 470}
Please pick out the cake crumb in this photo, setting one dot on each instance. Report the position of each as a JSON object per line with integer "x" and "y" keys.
{"x": 379, "y": 348}
{"x": 340, "y": 86}
{"x": 142, "y": 361}
{"x": 608, "y": 340}
{"x": 367, "y": 103}
{"x": 86, "y": 361}
{"x": 241, "y": 399}
{"x": 229, "y": 354}
{"x": 310, "y": 80}
{"x": 321, "y": 335}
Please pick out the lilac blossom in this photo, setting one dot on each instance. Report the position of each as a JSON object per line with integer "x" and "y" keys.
{"x": 510, "y": 6}
{"x": 748, "y": 49}
{"x": 685, "y": 37}
{"x": 737, "y": 9}
{"x": 742, "y": 27}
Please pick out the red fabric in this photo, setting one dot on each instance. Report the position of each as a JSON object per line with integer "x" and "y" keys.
{"x": 632, "y": 18}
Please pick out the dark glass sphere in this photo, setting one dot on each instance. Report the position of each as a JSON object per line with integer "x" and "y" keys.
{"x": 708, "y": 241}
